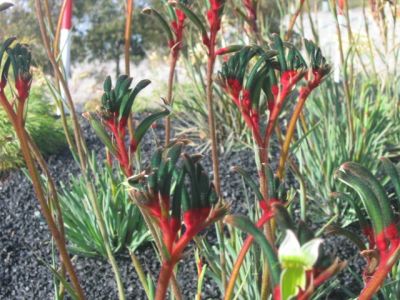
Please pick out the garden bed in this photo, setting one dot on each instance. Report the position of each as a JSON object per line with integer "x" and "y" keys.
{"x": 24, "y": 238}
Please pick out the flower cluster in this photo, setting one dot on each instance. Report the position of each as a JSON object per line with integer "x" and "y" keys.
{"x": 174, "y": 25}
{"x": 162, "y": 192}
{"x": 214, "y": 17}
{"x": 275, "y": 73}
{"x": 177, "y": 26}
{"x": 116, "y": 106}
{"x": 19, "y": 58}
{"x": 177, "y": 194}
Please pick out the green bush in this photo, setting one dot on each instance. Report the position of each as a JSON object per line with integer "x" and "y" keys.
{"x": 329, "y": 143}
{"x": 44, "y": 129}
{"x": 123, "y": 221}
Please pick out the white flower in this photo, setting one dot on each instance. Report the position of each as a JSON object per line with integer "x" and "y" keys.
{"x": 295, "y": 261}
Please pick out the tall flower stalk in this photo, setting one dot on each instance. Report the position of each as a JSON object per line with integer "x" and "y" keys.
{"x": 174, "y": 32}
{"x": 129, "y": 7}
{"x": 260, "y": 82}
{"x": 19, "y": 58}
{"x": 110, "y": 122}
{"x": 214, "y": 16}
{"x": 179, "y": 210}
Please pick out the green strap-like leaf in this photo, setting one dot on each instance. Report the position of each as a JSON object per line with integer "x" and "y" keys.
{"x": 142, "y": 128}
{"x": 278, "y": 45}
{"x": 247, "y": 178}
{"x": 244, "y": 224}
{"x": 383, "y": 200}
{"x": 393, "y": 173}
{"x": 193, "y": 17}
{"x": 5, "y": 46}
{"x": 164, "y": 24}
{"x": 127, "y": 102}
{"x": 102, "y": 134}
{"x": 367, "y": 196}
{"x": 5, "y": 5}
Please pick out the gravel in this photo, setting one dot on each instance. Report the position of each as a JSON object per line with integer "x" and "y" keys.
{"x": 24, "y": 238}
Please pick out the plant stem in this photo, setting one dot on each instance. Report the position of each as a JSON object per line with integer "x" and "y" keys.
{"x": 214, "y": 148}
{"x": 60, "y": 241}
{"x": 293, "y": 21}
{"x": 127, "y": 47}
{"x": 54, "y": 196}
{"x": 289, "y": 135}
{"x": 172, "y": 67}
{"x": 80, "y": 143}
{"x": 139, "y": 270}
{"x": 239, "y": 260}
{"x": 380, "y": 274}
{"x": 263, "y": 156}
{"x": 163, "y": 279}
{"x": 211, "y": 117}
{"x": 174, "y": 283}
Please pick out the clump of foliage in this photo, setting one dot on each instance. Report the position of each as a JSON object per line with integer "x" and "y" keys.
{"x": 125, "y": 226}
{"x": 265, "y": 82}
{"x": 44, "y": 128}
{"x": 328, "y": 143}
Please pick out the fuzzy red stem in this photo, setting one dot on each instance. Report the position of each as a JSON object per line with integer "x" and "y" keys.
{"x": 163, "y": 279}
{"x": 380, "y": 274}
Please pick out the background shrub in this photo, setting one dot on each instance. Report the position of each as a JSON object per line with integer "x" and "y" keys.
{"x": 43, "y": 127}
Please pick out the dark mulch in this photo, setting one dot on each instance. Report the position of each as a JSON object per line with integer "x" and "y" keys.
{"x": 24, "y": 237}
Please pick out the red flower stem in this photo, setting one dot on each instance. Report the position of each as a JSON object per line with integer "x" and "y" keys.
{"x": 127, "y": 46}
{"x": 167, "y": 235}
{"x": 242, "y": 254}
{"x": 380, "y": 274}
{"x": 172, "y": 68}
{"x": 36, "y": 182}
{"x": 283, "y": 93}
{"x": 275, "y": 113}
{"x": 168, "y": 265}
{"x": 214, "y": 149}
{"x": 290, "y": 130}
{"x": 293, "y": 21}
{"x": 163, "y": 279}
{"x": 211, "y": 117}
{"x": 123, "y": 156}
